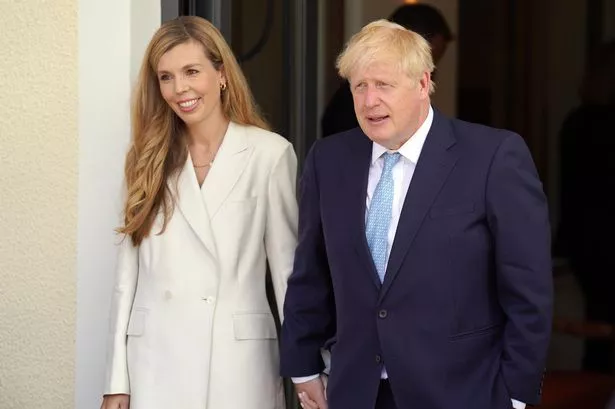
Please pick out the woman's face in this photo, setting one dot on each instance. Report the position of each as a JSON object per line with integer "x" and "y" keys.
{"x": 190, "y": 84}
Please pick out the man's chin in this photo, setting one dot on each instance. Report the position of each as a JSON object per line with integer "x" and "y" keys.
{"x": 378, "y": 135}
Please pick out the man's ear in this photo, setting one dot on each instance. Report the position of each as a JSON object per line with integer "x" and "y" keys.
{"x": 425, "y": 84}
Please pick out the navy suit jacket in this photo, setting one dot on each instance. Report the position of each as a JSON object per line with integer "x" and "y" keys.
{"x": 463, "y": 318}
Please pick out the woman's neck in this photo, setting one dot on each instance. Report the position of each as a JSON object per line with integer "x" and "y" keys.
{"x": 208, "y": 134}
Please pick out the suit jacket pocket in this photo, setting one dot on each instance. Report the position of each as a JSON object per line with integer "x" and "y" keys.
{"x": 483, "y": 331}
{"x": 451, "y": 210}
{"x": 254, "y": 325}
{"x": 136, "y": 325}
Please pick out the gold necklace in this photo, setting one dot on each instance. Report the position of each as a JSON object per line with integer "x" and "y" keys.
{"x": 208, "y": 164}
{"x": 203, "y": 166}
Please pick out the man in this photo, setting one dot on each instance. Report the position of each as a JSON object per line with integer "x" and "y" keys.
{"x": 424, "y": 250}
{"x": 423, "y": 19}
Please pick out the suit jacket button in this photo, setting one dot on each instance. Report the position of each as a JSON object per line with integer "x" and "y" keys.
{"x": 382, "y": 314}
{"x": 378, "y": 359}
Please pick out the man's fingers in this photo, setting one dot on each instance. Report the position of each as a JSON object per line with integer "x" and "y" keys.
{"x": 315, "y": 401}
{"x": 312, "y": 394}
{"x": 307, "y": 402}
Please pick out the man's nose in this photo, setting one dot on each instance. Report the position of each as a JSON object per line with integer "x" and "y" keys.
{"x": 371, "y": 97}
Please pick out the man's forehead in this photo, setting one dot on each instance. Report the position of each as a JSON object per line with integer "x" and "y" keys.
{"x": 376, "y": 69}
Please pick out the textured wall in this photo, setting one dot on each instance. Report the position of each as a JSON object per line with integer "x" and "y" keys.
{"x": 38, "y": 202}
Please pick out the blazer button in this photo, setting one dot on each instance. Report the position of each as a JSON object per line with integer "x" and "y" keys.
{"x": 382, "y": 314}
{"x": 378, "y": 359}
{"x": 209, "y": 300}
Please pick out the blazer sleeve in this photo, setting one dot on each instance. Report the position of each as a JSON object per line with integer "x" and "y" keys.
{"x": 519, "y": 222}
{"x": 116, "y": 373}
{"x": 281, "y": 228}
{"x": 309, "y": 308}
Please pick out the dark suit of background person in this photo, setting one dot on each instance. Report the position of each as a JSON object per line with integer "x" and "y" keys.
{"x": 587, "y": 221}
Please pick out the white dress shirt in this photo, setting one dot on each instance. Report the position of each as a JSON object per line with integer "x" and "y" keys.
{"x": 402, "y": 174}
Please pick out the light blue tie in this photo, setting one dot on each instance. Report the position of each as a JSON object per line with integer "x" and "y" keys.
{"x": 379, "y": 215}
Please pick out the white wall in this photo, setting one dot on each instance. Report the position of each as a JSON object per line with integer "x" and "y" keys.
{"x": 360, "y": 12}
{"x": 112, "y": 37}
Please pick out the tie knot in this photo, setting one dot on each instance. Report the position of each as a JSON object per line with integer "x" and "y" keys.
{"x": 390, "y": 159}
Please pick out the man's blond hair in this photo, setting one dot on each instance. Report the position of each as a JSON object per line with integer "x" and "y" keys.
{"x": 385, "y": 41}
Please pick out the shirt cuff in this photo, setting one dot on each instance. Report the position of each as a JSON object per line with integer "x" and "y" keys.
{"x": 518, "y": 405}
{"x": 304, "y": 379}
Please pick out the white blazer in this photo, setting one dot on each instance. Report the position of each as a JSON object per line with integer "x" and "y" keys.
{"x": 190, "y": 324}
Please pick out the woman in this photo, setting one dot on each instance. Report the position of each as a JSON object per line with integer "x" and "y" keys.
{"x": 210, "y": 201}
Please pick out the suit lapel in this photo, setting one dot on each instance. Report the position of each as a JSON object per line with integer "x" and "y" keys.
{"x": 199, "y": 205}
{"x": 355, "y": 199}
{"x": 190, "y": 202}
{"x": 229, "y": 165}
{"x": 436, "y": 161}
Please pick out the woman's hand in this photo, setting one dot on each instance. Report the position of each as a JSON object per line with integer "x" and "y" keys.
{"x": 119, "y": 401}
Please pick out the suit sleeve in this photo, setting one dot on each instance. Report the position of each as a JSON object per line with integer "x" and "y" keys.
{"x": 519, "y": 222}
{"x": 281, "y": 229}
{"x": 309, "y": 309}
{"x": 116, "y": 374}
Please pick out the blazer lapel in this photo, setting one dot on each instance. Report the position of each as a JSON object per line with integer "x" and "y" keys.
{"x": 355, "y": 200}
{"x": 229, "y": 165}
{"x": 190, "y": 202}
{"x": 435, "y": 163}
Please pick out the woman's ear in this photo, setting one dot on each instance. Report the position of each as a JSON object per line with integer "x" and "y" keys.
{"x": 222, "y": 73}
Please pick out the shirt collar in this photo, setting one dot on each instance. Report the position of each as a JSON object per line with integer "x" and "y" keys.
{"x": 411, "y": 149}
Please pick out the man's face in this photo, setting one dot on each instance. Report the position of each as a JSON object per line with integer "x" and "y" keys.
{"x": 389, "y": 105}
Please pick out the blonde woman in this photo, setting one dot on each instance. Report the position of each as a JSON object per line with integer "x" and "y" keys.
{"x": 210, "y": 202}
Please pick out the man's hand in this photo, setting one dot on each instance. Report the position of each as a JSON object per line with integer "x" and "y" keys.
{"x": 312, "y": 394}
{"x": 119, "y": 401}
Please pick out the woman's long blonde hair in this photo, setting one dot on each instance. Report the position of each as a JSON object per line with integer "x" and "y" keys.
{"x": 158, "y": 149}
